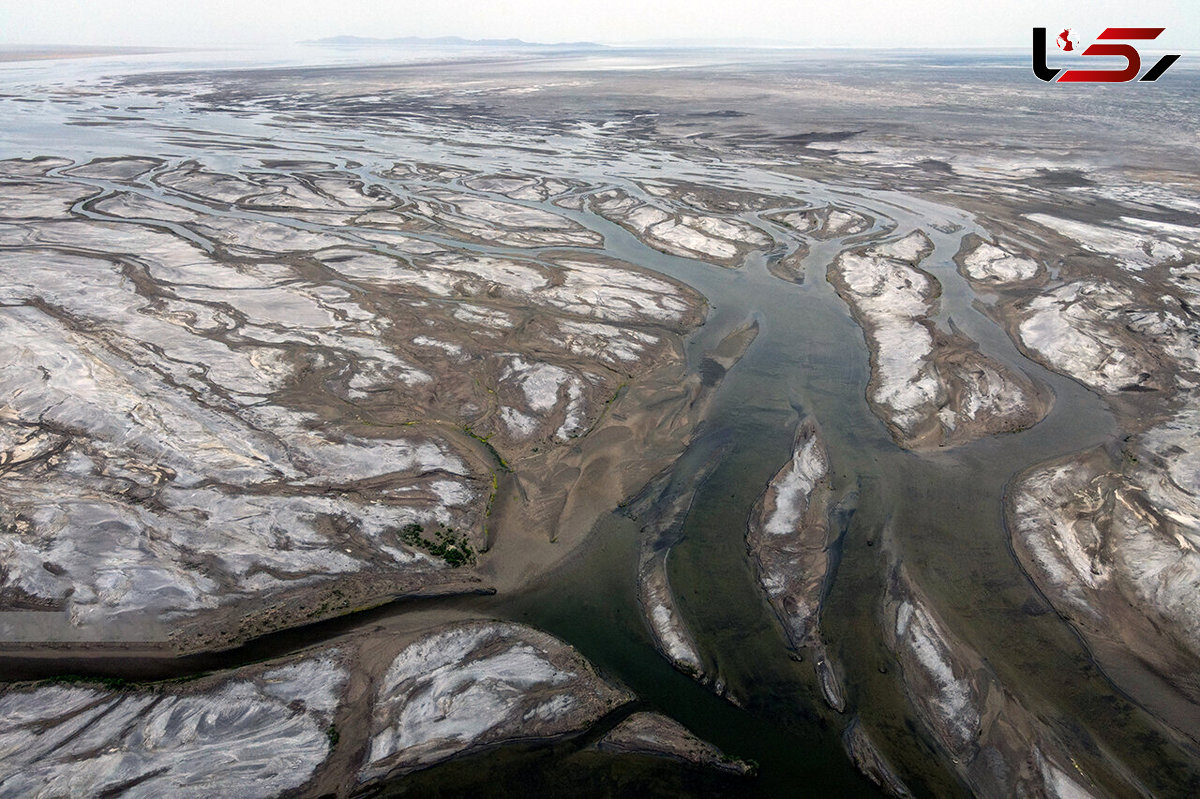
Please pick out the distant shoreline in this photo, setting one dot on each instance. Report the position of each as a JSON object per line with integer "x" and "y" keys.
{"x": 52, "y": 52}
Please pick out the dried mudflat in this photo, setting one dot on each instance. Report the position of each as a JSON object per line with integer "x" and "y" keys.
{"x": 789, "y": 540}
{"x": 691, "y": 232}
{"x": 270, "y": 383}
{"x": 998, "y": 747}
{"x": 933, "y": 388}
{"x": 656, "y": 735}
{"x": 1109, "y": 534}
{"x": 242, "y": 401}
{"x": 226, "y": 425}
{"x": 334, "y": 718}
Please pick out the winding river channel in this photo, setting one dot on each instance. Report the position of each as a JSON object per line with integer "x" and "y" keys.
{"x": 940, "y": 512}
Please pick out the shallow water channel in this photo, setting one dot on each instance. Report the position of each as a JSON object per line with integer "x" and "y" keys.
{"x": 944, "y": 510}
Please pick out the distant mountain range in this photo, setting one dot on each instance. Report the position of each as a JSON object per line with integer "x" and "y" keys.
{"x": 449, "y": 41}
{"x": 749, "y": 43}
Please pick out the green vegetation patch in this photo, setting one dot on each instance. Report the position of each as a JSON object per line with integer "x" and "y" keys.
{"x": 111, "y": 683}
{"x": 454, "y": 550}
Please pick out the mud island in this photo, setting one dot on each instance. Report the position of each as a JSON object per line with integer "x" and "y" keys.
{"x": 592, "y": 425}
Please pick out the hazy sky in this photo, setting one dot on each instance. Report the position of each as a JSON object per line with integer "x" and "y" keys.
{"x": 831, "y": 22}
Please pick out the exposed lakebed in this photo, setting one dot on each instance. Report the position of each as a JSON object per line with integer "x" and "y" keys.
{"x": 443, "y": 354}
